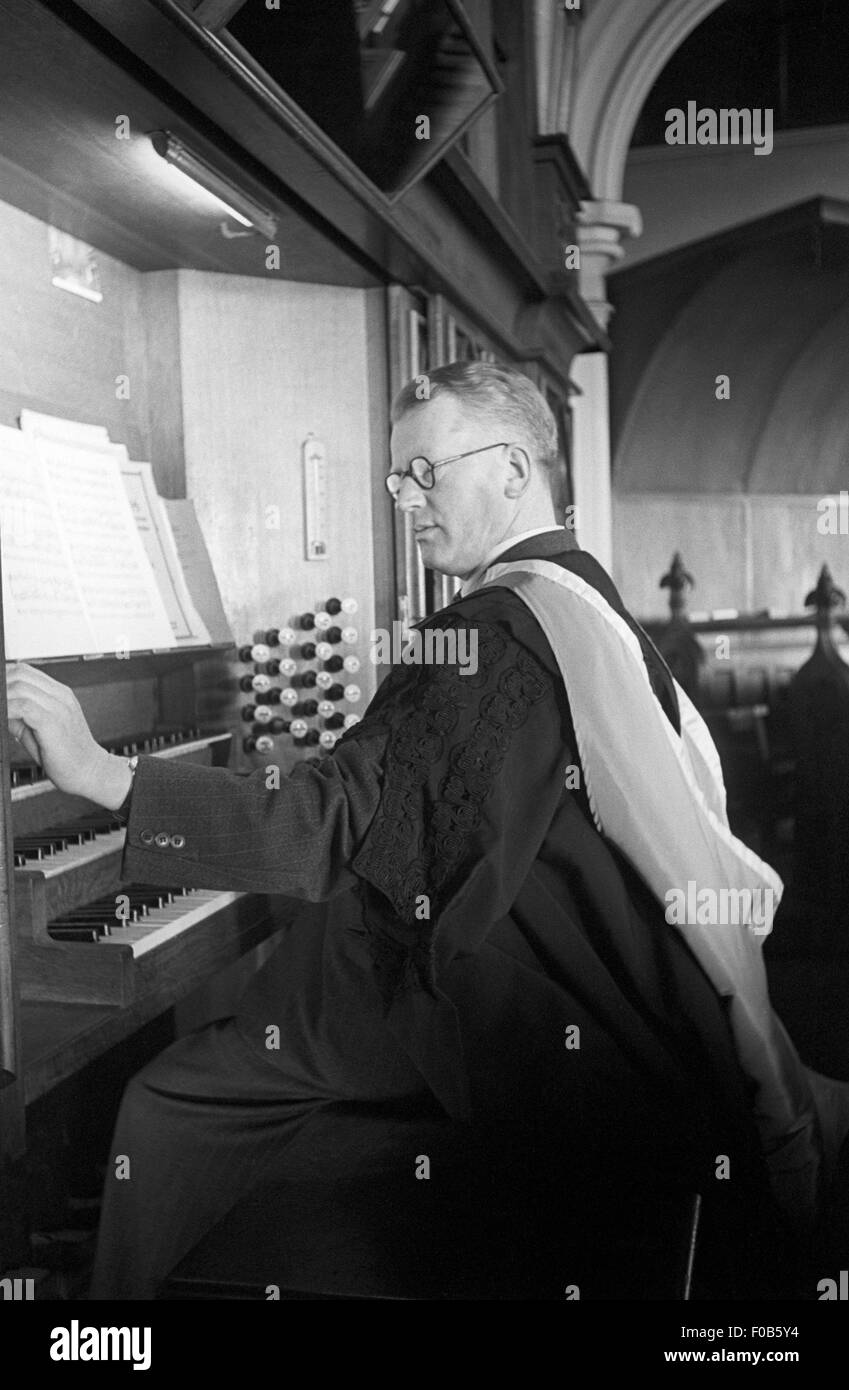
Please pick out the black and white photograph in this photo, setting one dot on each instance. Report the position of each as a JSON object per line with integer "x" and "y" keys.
{"x": 424, "y": 783}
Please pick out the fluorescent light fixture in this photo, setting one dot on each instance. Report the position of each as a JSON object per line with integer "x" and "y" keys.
{"x": 234, "y": 202}
{"x": 75, "y": 288}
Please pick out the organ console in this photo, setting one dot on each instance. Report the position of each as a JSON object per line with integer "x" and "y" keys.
{"x": 83, "y": 937}
{"x": 89, "y": 965}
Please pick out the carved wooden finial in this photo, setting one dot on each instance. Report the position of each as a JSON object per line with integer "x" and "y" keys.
{"x": 677, "y": 580}
{"x": 826, "y": 596}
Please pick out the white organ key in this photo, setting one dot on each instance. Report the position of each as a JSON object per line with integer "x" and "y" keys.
{"x": 75, "y": 856}
{"x": 163, "y": 923}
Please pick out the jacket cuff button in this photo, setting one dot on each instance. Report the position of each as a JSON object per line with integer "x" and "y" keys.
{"x": 146, "y": 837}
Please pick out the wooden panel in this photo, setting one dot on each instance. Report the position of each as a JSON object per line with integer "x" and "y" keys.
{"x": 162, "y": 339}
{"x": 748, "y": 553}
{"x": 214, "y": 13}
{"x": 421, "y": 240}
{"x": 12, "y": 1233}
{"x": 410, "y": 345}
{"x": 289, "y": 359}
{"x": 515, "y": 113}
{"x": 61, "y": 1038}
{"x": 383, "y": 522}
{"x": 61, "y": 354}
{"x": 711, "y": 535}
{"x": 59, "y": 102}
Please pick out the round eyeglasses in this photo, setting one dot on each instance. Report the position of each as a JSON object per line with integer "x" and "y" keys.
{"x": 421, "y": 470}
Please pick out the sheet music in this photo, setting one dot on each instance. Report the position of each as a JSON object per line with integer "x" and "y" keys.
{"x": 76, "y": 431}
{"x": 194, "y": 558}
{"x": 151, "y": 518}
{"x": 43, "y": 609}
{"x": 79, "y": 478}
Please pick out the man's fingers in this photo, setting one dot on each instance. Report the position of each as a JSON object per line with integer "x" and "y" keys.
{"x": 47, "y": 697}
{"x": 23, "y": 709}
{"x": 30, "y": 677}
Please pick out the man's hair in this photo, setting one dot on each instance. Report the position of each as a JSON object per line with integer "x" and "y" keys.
{"x": 500, "y": 395}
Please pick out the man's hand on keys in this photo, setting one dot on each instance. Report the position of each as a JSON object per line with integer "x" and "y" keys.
{"x": 45, "y": 716}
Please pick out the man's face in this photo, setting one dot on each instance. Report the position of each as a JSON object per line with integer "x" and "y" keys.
{"x": 466, "y": 513}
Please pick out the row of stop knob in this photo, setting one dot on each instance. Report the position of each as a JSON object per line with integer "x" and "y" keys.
{"x": 260, "y": 681}
{"x": 300, "y": 732}
{"x": 331, "y": 634}
{"x": 262, "y": 713}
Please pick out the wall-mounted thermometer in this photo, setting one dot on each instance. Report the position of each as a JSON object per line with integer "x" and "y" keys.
{"x": 315, "y": 498}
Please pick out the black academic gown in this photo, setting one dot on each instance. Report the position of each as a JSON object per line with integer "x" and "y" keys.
{"x": 465, "y": 910}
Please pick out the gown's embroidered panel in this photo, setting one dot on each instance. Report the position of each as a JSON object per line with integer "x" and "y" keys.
{"x": 415, "y": 849}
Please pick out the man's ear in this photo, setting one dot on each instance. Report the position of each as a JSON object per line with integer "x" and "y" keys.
{"x": 520, "y": 470}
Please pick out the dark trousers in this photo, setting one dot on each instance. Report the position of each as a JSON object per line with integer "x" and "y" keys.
{"x": 197, "y": 1129}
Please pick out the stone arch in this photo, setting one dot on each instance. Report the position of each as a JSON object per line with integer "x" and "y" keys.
{"x": 624, "y": 48}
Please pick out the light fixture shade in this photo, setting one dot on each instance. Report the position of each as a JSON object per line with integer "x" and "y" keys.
{"x": 235, "y": 201}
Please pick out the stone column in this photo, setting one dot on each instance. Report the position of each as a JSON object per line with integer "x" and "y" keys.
{"x": 601, "y": 226}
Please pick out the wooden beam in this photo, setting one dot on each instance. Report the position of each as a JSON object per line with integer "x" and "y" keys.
{"x": 214, "y": 14}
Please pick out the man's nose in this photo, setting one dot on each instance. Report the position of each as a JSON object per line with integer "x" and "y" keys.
{"x": 410, "y": 495}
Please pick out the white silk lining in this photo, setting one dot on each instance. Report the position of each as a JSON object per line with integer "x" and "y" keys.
{"x": 659, "y": 797}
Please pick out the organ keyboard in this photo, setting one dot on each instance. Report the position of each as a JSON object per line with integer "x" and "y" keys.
{"x": 85, "y": 937}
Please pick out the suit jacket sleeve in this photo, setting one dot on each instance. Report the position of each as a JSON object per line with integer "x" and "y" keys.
{"x": 444, "y": 788}
{"x": 220, "y": 829}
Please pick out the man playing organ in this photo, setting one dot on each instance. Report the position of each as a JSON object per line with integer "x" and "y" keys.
{"x": 484, "y": 861}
